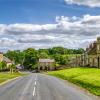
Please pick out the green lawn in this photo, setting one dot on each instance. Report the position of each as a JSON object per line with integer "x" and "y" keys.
{"x": 7, "y": 76}
{"x": 88, "y": 78}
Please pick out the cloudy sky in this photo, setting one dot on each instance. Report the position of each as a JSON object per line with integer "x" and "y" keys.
{"x": 48, "y": 23}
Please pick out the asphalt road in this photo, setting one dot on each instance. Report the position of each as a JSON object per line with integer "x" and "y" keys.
{"x": 41, "y": 87}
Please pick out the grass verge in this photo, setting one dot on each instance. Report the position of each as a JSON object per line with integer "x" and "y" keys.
{"x": 7, "y": 76}
{"x": 88, "y": 78}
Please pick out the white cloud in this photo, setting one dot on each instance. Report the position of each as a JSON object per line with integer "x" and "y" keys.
{"x": 18, "y": 29}
{"x": 7, "y": 42}
{"x": 91, "y": 3}
{"x": 69, "y": 32}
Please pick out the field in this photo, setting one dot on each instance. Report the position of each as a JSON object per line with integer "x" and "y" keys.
{"x": 88, "y": 78}
{"x": 7, "y": 76}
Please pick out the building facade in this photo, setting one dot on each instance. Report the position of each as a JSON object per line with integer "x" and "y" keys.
{"x": 7, "y": 61}
{"x": 91, "y": 56}
{"x": 1, "y": 56}
{"x": 46, "y": 64}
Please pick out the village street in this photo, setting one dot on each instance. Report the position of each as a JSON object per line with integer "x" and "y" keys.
{"x": 41, "y": 87}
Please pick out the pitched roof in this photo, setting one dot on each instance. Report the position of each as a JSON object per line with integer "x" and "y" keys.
{"x": 1, "y": 52}
{"x": 7, "y": 60}
{"x": 46, "y": 60}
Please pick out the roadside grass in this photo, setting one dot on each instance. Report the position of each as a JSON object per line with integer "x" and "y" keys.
{"x": 88, "y": 78}
{"x": 7, "y": 76}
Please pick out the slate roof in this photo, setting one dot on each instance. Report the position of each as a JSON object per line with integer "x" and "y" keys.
{"x": 46, "y": 60}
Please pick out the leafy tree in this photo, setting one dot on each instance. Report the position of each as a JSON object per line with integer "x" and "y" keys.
{"x": 43, "y": 51}
{"x": 43, "y": 55}
{"x": 12, "y": 68}
{"x": 16, "y": 56}
{"x": 30, "y": 58}
{"x": 57, "y": 50}
{"x": 3, "y": 65}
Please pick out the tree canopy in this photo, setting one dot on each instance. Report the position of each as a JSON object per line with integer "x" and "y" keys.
{"x": 29, "y": 57}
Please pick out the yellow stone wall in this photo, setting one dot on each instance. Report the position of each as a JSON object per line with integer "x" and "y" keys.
{"x": 8, "y": 64}
{"x": 50, "y": 65}
{"x": 1, "y": 57}
{"x": 93, "y": 60}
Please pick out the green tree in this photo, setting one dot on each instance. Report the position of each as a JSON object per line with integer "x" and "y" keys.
{"x": 57, "y": 50}
{"x": 16, "y": 56}
{"x": 3, "y": 65}
{"x": 12, "y": 68}
{"x": 43, "y": 55}
{"x": 30, "y": 58}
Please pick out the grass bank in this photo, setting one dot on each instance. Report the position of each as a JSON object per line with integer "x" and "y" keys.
{"x": 7, "y": 76}
{"x": 88, "y": 78}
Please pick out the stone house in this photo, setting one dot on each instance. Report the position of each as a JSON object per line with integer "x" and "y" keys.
{"x": 76, "y": 61}
{"x": 1, "y": 56}
{"x": 7, "y": 61}
{"x": 72, "y": 62}
{"x": 92, "y": 55}
{"x": 46, "y": 64}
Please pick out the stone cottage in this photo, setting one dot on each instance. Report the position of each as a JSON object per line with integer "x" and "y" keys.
{"x": 5, "y": 59}
{"x": 92, "y": 55}
{"x": 46, "y": 64}
{"x": 1, "y": 56}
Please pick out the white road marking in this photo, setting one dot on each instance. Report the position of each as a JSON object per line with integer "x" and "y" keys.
{"x": 26, "y": 88}
{"x": 35, "y": 82}
{"x": 36, "y": 77}
{"x": 34, "y": 91}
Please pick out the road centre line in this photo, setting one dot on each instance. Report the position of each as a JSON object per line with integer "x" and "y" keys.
{"x": 36, "y": 77}
{"x": 34, "y": 91}
{"x": 35, "y": 82}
